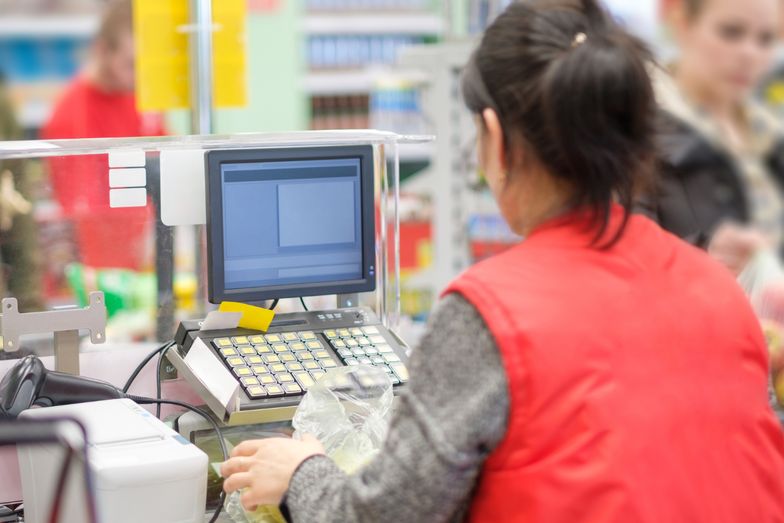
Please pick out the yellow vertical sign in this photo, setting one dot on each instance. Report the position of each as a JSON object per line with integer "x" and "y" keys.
{"x": 229, "y": 53}
{"x": 162, "y": 32}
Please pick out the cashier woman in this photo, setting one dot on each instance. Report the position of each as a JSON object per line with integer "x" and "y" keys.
{"x": 600, "y": 371}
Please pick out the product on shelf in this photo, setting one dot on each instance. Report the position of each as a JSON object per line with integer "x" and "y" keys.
{"x": 367, "y": 5}
{"x": 36, "y": 69}
{"x": 339, "y": 112}
{"x": 355, "y": 51}
{"x": 396, "y": 107}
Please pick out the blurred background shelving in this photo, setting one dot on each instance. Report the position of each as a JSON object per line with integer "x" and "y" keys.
{"x": 326, "y": 64}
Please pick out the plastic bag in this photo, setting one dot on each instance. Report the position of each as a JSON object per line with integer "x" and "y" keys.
{"x": 763, "y": 282}
{"x": 348, "y": 410}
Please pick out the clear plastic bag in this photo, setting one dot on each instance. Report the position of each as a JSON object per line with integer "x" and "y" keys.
{"x": 348, "y": 410}
{"x": 763, "y": 282}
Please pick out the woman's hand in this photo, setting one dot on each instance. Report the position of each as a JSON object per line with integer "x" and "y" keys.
{"x": 734, "y": 246}
{"x": 264, "y": 468}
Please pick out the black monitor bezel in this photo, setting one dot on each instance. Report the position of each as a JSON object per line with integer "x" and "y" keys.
{"x": 216, "y": 285}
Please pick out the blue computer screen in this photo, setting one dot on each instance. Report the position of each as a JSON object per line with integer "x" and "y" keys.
{"x": 291, "y": 222}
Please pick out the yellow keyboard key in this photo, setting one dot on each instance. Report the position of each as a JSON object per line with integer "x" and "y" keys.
{"x": 288, "y": 357}
{"x": 243, "y": 372}
{"x": 235, "y": 361}
{"x": 321, "y": 354}
{"x": 354, "y": 331}
{"x": 363, "y": 342}
{"x": 297, "y": 346}
{"x": 257, "y": 340}
{"x": 314, "y": 345}
{"x": 400, "y": 370}
{"x": 280, "y": 347}
{"x": 254, "y": 360}
{"x": 274, "y": 390}
{"x": 317, "y": 374}
{"x": 292, "y": 388}
{"x": 307, "y": 335}
{"x": 277, "y": 367}
{"x": 338, "y": 344}
{"x": 311, "y": 365}
{"x": 293, "y": 367}
{"x": 304, "y": 379}
{"x": 285, "y": 378}
{"x": 228, "y": 352}
{"x": 273, "y": 338}
{"x": 259, "y": 370}
{"x": 328, "y": 363}
{"x": 331, "y": 334}
{"x": 267, "y": 379}
{"x": 264, "y": 349}
{"x": 247, "y": 350}
{"x": 223, "y": 342}
{"x": 343, "y": 333}
{"x": 256, "y": 392}
{"x": 289, "y": 336}
{"x": 304, "y": 356}
{"x": 370, "y": 330}
{"x": 270, "y": 358}
{"x": 249, "y": 382}
{"x": 351, "y": 342}
{"x": 375, "y": 340}
{"x": 240, "y": 340}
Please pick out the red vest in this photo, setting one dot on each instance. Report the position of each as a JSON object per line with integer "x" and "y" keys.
{"x": 637, "y": 380}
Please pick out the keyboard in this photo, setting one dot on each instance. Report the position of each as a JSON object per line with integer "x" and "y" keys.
{"x": 275, "y": 369}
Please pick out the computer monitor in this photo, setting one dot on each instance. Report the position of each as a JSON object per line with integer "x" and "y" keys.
{"x": 290, "y": 222}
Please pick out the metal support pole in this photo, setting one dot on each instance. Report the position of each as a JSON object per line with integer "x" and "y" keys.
{"x": 201, "y": 101}
{"x": 201, "y": 66}
{"x": 164, "y": 259}
{"x": 66, "y": 352}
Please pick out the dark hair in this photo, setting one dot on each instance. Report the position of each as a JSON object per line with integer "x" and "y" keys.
{"x": 693, "y": 7}
{"x": 116, "y": 22}
{"x": 573, "y": 88}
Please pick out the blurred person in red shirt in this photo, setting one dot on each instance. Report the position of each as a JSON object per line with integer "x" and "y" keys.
{"x": 100, "y": 103}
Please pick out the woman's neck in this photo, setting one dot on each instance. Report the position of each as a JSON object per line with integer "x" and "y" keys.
{"x": 96, "y": 78}
{"x": 553, "y": 199}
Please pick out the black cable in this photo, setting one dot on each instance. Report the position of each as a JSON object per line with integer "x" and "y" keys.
{"x": 57, "y": 501}
{"x": 215, "y": 427}
{"x": 302, "y": 301}
{"x": 158, "y": 393}
{"x": 92, "y": 507}
{"x": 274, "y": 304}
{"x": 144, "y": 362}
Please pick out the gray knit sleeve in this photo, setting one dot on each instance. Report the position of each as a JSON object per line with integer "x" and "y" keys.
{"x": 452, "y": 414}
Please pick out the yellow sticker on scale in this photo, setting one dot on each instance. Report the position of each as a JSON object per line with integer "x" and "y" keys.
{"x": 254, "y": 318}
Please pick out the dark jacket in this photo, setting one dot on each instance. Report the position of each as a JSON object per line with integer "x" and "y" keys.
{"x": 699, "y": 185}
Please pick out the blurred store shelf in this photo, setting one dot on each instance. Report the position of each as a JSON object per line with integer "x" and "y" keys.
{"x": 353, "y": 81}
{"x": 375, "y": 23}
{"x": 48, "y": 26}
{"x": 34, "y": 115}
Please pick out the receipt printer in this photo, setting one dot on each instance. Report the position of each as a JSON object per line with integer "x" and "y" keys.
{"x": 142, "y": 470}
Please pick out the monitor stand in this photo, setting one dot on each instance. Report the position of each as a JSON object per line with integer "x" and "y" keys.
{"x": 347, "y": 301}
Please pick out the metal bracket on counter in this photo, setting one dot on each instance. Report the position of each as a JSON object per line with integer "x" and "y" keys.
{"x": 64, "y": 323}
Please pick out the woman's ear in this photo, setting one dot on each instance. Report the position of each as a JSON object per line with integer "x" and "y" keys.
{"x": 496, "y": 144}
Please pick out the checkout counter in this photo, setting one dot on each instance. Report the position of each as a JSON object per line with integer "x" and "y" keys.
{"x": 226, "y": 222}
